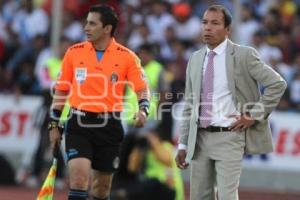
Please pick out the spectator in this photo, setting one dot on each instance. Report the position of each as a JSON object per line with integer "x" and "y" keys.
{"x": 72, "y": 28}
{"x": 271, "y": 27}
{"x": 187, "y": 26}
{"x": 159, "y": 20}
{"x": 154, "y": 73}
{"x": 26, "y": 79}
{"x": 29, "y": 22}
{"x": 129, "y": 181}
{"x": 25, "y": 52}
{"x": 266, "y": 51}
{"x": 166, "y": 51}
{"x": 139, "y": 36}
{"x": 159, "y": 162}
{"x": 248, "y": 25}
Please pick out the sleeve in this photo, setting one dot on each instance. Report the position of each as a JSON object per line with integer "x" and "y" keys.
{"x": 135, "y": 75}
{"x": 64, "y": 80}
{"x": 187, "y": 109}
{"x": 274, "y": 85}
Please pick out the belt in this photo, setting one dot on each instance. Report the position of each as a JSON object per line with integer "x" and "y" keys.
{"x": 215, "y": 129}
{"x": 106, "y": 115}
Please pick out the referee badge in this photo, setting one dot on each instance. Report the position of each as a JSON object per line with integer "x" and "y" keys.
{"x": 114, "y": 77}
{"x": 80, "y": 75}
{"x": 116, "y": 162}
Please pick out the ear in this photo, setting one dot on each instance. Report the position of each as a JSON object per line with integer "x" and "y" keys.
{"x": 228, "y": 29}
{"x": 108, "y": 29}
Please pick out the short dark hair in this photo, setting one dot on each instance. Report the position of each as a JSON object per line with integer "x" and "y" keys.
{"x": 108, "y": 16}
{"x": 225, "y": 11}
{"x": 149, "y": 48}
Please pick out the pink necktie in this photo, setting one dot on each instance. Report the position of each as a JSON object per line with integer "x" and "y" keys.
{"x": 207, "y": 92}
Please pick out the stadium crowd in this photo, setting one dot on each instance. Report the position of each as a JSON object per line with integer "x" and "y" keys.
{"x": 170, "y": 27}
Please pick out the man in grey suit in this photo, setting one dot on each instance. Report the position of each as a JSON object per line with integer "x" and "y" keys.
{"x": 225, "y": 115}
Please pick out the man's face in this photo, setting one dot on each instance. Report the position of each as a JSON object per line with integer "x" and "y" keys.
{"x": 214, "y": 31}
{"x": 94, "y": 29}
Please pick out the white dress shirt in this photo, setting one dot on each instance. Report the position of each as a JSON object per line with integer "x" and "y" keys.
{"x": 223, "y": 104}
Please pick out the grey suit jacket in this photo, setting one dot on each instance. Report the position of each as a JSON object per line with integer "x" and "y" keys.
{"x": 245, "y": 71}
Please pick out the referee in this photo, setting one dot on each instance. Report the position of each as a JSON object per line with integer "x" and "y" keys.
{"x": 92, "y": 78}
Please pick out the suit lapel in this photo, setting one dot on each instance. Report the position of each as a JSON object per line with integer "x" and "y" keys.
{"x": 197, "y": 69}
{"x": 230, "y": 68}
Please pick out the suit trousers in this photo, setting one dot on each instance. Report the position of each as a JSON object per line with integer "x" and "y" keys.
{"x": 217, "y": 161}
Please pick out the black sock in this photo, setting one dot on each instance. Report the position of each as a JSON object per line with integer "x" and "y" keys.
{"x": 77, "y": 194}
{"x": 95, "y": 198}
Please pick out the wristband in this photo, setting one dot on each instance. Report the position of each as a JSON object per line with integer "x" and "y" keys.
{"x": 144, "y": 105}
{"x": 55, "y": 115}
{"x": 52, "y": 125}
{"x": 55, "y": 124}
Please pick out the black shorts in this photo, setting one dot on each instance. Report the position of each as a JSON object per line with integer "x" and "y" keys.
{"x": 95, "y": 138}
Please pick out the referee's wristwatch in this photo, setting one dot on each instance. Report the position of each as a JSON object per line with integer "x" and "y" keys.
{"x": 145, "y": 109}
{"x": 52, "y": 125}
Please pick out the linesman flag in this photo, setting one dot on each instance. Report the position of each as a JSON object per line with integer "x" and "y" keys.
{"x": 47, "y": 190}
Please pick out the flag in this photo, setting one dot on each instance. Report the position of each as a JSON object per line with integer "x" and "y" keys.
{"x": 47, "y": 190}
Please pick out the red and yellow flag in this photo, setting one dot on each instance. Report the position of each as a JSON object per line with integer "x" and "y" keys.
{"x": 47, "y": 190}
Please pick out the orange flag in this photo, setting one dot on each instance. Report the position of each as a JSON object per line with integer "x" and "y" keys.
{"x": 47, "y": 190}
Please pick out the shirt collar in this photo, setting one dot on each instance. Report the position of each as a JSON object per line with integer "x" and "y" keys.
{"x": 111, "y": 46}
{"x": 219, "y": 49}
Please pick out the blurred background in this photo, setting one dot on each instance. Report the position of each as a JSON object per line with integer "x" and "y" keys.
{"x": 34, "y": 34}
